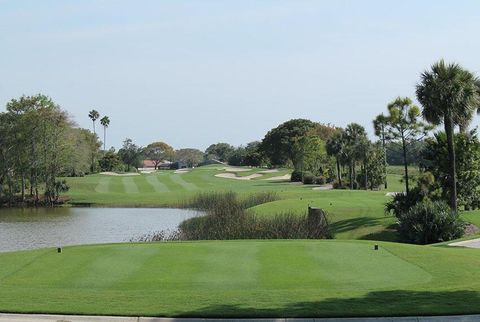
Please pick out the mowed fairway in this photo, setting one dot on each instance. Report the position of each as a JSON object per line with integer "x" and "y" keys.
{"x": 159, "y": 189}
{"x": 353, "y": 214}
{"x": 243, "y": 279}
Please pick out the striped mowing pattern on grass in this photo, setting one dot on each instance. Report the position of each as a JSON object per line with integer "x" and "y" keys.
{"x": 242, "y": 278}
{"x": 156, "y": 184}
{"x": 129, "y": 185}
{"x": 103, "y": 185}
{"x": 186, "y": 185}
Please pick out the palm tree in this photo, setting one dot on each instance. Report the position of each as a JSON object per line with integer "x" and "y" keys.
{"x": 354, "y": 137}
{"x": 379, "y": 124}
{"x": 449, "y": 95}
{"x": 93, "y": 115}
{"x": 335, "y": 148}
{"x": 105, "y": 121}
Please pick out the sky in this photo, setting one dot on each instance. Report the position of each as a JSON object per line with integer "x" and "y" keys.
{"x": 193, "y": 73}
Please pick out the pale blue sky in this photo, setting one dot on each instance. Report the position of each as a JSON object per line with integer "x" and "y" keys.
{"x": 192, "y": 73}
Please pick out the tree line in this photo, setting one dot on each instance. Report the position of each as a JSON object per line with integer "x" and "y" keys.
{"x": 38, "y": 144}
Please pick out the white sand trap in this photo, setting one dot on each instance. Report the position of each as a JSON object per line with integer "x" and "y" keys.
{"x": 233, "y": 176}
{"x": 268, "y": 171}
{"x": 392, "y": 194}
{"x": 235, "y": 169}
{"x": 184, "y": 170}
{"x": 473, "y": 243}
{"x": 147, "y": 171}
{"x": 279, "y": 178}
{"x": 324, "y": 187}
{"x": 119, "y": 174}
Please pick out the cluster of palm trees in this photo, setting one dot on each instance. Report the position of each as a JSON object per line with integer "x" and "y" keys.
{"x": 448, "y": 94}
{"x": 351, "y": 147}
{"x": 104, "y": 121}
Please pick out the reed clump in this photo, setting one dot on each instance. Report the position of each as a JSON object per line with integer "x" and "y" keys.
{"x": 227, "y": 216}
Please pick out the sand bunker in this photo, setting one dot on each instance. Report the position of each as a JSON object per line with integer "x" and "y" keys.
{"x": 234, "y": 169}
{"x": 120, "y": 174}
{"x": 233, "y": 176}
{"x": 268, "y": 171}
{"x": 473, "y": 243}
{"x": 392, "y": 194}
{"x": 184, "y": 170}
{"x": 324, "y": 187}
{"x": 279, "y": 178}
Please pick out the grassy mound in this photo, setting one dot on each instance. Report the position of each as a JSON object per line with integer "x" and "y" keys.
{"x": 243, "y": 279}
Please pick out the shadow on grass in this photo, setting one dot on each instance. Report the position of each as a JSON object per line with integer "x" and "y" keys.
{"x": 354, "y": 223}
{"x": 384, "y": 303}
{"x": 390, "y": 234}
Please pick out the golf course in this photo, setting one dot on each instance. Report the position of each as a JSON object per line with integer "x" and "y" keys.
{"x": 257, "y": 278}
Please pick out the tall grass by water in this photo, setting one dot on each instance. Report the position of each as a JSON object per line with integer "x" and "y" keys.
{"x": 228, "y": 201}
{"x": 227, "y": 217}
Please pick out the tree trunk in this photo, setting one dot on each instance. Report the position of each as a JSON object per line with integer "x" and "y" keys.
{"x": 405, "y": 164}
{"x": 366, "y": 176}
{"x": 354, "y": 176}
{"x": 23, "y": 187}
{"x": 451, "y": 158}
{"x": 339, "y": 173}
{"x": 351, "y": 175}
{"x": 385, "y": 156}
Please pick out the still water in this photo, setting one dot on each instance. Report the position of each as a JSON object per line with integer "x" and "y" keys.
{"x": 35, "y": 228}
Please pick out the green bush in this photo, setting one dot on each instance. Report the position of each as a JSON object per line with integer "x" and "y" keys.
{"x": 430, "y": 222}
{"x": 308, "y": 178}
{"x": 296, "y": 176}
{"x": 336, "y": 185}
{"x": 320, "y": 180}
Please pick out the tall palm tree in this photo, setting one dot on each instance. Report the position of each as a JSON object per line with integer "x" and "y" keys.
{"x": 105, "y": 121}
{"x": 354, "y": 137}
{"x": 335, "y": 147}
{"x": 379, "y": 125}
{"x": 93, "y": 115}
{"x": 449, "y": 95}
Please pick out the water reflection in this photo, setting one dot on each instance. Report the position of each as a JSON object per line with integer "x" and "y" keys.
{"x": 35, "y": 228}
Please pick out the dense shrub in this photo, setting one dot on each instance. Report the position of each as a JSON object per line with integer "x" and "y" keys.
{"x": 320, "y": 180}
{"x": 336, "y": 185}
{"x": 308, "y": 178}
{"x": 402, "y": 202}
{"x": 430, "y": 222}
{"x": 296, "y": 176}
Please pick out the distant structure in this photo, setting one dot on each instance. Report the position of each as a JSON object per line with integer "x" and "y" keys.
{"x": 150, "y": 165}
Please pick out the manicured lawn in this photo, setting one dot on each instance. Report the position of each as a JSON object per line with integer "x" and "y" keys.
{"x": 243, "y": 279}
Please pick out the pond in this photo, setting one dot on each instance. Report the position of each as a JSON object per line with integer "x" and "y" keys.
{"x": 36, "y": 228}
